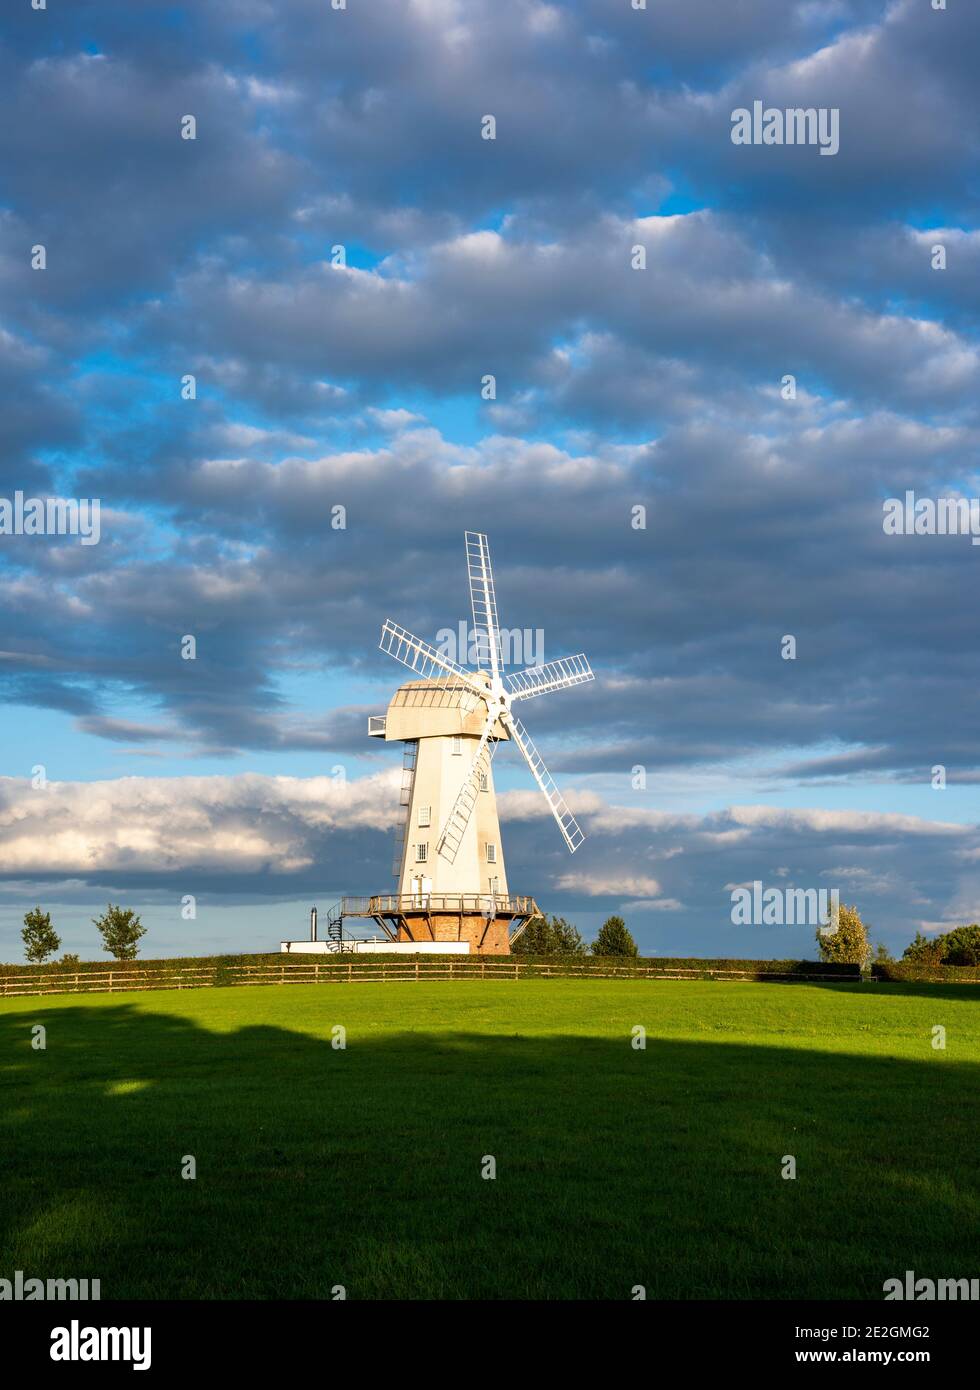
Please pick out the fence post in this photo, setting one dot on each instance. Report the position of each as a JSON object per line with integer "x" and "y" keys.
{"x": 516, "y": 968}
{"x": 350, "y": 971}
{"x": 416, "y": 970}
{"x": 110, "y": 981}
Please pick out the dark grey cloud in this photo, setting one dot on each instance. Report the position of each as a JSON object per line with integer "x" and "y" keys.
{"x": 96, "y": 171}
{"x": 34, "y": 414}
{"x": 683, "y": 620}
{"x": 570, "y": 331}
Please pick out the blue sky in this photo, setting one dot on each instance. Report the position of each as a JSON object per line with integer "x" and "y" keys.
{"x": 359, "y": 385}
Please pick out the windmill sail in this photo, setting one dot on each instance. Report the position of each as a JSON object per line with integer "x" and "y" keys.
{"x": 567, "y": 824}
{"x": 459, "y": 817}
{"x": 483, "y": 601}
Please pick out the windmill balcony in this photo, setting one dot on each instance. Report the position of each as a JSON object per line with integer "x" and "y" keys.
{"x": 489, "y": 922}
{"x": 376, "y": 725}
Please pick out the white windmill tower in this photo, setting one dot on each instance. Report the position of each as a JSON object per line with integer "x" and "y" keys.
{"x": 452, "y": 884}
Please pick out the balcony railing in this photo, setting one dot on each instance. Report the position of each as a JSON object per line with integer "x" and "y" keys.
{"x": 394, "y": 904}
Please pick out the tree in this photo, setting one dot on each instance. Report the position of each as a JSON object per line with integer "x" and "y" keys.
{"x": 567, "y": 939}
{"x": 614, "y": 939}
{"x": 121, "y": 930}
{"x": 542, "y": 937}
{"x": 961, "y": 946}
{"x": 848, "y": 945}
{"x": 70, "y": 959}
{"x": 924, "y": 950}
{"x": 882, "y": 955}
{"x": 40, "y": 937}
{"x": 535, "y": 939}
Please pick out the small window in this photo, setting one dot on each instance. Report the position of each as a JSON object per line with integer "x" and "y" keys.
{"x": 491, "y": 854}
{"x": 457, "y": 743}
{"x": 484, "y": 782}
{"x": 425, "y": 815}
{"x": 422, "y": 853}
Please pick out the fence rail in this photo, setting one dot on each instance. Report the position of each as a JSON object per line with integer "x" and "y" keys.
{"x": 351, "y": 972}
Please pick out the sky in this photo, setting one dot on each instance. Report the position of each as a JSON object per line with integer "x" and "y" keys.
{"x": 714, "y": 364}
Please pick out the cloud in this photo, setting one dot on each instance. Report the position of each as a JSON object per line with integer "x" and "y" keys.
{"x": 572, "y": 319}
{"x": 124, "y": 730}
{"x": 681, "y": 620}
{"x": 847, "y": 822}
{"x": 608, "y": 885}
{"x": 221, "y": 826}
{"x": 270, "y": 838}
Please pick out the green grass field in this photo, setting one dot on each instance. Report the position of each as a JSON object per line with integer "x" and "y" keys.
{"x": 615, "y": 1167}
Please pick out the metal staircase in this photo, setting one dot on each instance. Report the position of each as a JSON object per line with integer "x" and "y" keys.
{"x": 335, "y": 927}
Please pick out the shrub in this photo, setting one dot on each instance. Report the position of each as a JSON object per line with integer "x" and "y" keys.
{"x": 927, "y": 974}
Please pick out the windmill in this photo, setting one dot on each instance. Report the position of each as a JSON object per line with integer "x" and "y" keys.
{"x": 449, "y": 861}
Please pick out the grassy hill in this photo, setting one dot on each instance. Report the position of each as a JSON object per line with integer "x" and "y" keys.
{"x": 615, "y": 1167}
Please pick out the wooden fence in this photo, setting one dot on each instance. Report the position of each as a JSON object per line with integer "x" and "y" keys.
{"x": 122, "y": 979}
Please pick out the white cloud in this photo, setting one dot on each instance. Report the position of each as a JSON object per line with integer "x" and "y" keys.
{"x": 832, "y": 822}
{"x": 609, "y": 885}
{"x": 240, "y": 824}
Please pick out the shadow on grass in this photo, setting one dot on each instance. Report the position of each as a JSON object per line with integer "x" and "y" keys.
{"x": 885, "y": 989}
{"x": 943, "y": 989}
{"x": 361, "y": 1167}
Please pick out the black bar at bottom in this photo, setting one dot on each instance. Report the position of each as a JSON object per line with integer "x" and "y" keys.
{"x": 269, "y": 1337}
